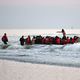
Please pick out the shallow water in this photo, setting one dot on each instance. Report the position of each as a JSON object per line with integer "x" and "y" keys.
{"x": 65, "y": 55}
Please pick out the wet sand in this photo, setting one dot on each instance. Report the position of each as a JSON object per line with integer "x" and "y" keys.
{"x": 11, "y": 70}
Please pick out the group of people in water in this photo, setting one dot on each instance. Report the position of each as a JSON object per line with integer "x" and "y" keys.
{"x": 44, "y": 40}
{"x": 49, "y": 40}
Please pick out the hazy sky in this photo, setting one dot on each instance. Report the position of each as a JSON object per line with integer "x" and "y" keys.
{"x": 39, "y": 14}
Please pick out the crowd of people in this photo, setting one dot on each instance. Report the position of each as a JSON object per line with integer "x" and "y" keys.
{"x": 44, "y": 40}
{"x": 49, "y": 40}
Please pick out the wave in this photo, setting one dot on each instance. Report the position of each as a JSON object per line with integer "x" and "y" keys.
{"x": 65, "y": 47}
{"x": 73, "y": 47}
{"x": 45, "y": 54}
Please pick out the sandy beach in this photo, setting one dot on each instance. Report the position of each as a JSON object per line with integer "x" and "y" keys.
{"x": 11, "y": 70}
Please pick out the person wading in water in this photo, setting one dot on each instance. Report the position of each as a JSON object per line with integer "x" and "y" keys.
{"x": 5, "y": 38}
{"x": 22, "y": 40}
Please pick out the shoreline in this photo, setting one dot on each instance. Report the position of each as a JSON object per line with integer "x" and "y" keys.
{"x": 42, "y": 63}
{"x": 11, "y": 70}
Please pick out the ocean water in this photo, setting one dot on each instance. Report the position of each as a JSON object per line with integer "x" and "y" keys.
{"x": 65, "y": 55}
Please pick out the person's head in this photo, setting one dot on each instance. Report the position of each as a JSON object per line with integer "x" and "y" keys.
{"x": 62, "y": 30}
{"x": 5, "y": 34}
{"x": 34, "y": 37}
{"x": 28, "y": 36}
{"x": 22, "y": 36}
{"x": 67, "y": 37}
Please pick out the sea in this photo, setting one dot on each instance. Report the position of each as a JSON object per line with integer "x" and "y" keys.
{"x": 63, "y": 55}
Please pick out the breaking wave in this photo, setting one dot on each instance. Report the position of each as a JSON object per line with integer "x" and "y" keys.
{"x": 46, "y": 54}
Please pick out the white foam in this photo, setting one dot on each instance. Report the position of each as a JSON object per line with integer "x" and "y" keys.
{"x": 58, "y": 54}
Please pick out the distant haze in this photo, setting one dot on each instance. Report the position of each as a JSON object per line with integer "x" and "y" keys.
{"x": 39, "y": 14}
{"x": 25, "y": 32}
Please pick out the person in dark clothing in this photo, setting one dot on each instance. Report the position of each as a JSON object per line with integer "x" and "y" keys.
{"x": 63, "y": 32}
{"x": 22, "y": 40}
{"x": 5, "y": 38}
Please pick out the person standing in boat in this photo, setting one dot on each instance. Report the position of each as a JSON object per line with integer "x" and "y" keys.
{"x": 63, "y": 32}
{"x": 22, "y": 40}
{"x": 5, "y": 38}
{"x": 64, "y": 39}
{"x": 64, "y": 36}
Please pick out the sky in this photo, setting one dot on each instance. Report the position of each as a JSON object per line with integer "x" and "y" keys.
{"x": 39, "y": 14}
